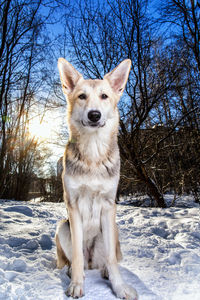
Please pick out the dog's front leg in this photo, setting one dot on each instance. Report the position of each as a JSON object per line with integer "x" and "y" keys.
{"x": 109, "y": 231}
{"x": 76, "y": 288}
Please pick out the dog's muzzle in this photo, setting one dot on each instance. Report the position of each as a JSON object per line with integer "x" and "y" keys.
{"x": 94, "y": 117}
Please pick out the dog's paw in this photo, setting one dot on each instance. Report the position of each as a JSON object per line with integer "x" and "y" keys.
{"x": 125, "y": 291}
{"x": 75, "y": 290}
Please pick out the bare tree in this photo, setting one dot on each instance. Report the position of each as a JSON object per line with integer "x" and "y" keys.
{"x": 23, "y": 48}
{"x": 162, "y": 95}
{"x": 184, "y": 99}
{"x": 100, "y": 40}
{"x": 185, "y": 16}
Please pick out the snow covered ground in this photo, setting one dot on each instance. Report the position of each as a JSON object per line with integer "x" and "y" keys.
{"x": 161, "y": 249}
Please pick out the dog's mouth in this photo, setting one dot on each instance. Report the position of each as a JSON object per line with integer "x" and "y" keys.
{"x": 93, "y": 124}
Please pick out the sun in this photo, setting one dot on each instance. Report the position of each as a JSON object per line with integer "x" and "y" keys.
{"x": 42, "y": 130}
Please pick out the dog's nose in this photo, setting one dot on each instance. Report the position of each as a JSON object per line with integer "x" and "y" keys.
{"x": 94, "y": 115}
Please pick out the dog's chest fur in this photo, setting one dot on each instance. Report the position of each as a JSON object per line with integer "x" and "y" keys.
{"x": 91, "y": 181}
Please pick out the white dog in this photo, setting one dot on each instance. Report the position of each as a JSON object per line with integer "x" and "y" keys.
{"x": 89, "y": 238}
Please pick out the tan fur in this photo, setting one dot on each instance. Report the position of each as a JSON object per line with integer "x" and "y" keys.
{"x": 61, "y": 258}
{"x": 90, "y": 178}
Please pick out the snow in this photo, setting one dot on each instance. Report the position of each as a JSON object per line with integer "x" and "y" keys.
{"x": 161, "y": 249}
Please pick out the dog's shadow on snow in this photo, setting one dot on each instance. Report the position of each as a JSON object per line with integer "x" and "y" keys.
{"x": 97, "y": 288}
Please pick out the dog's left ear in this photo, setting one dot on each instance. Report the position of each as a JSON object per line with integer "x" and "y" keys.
{"x": 119, "y": 76}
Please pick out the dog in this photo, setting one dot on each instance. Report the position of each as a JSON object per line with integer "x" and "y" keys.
{"x": 91, "y": 166}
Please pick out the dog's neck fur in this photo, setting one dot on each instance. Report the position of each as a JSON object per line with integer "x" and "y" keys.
{"x": 97, "y": 145}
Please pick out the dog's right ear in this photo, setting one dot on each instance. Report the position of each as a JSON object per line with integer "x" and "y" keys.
{"x": 68, "y": 75}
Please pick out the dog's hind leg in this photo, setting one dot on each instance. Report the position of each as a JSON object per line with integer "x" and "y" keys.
{"x": 63, "y": 244}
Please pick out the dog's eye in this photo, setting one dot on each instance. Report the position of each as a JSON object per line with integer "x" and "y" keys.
{"x": 82, "y": 96}
{"x": 104, "y": 96}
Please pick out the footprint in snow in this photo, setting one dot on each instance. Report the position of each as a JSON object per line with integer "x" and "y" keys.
{"x": 45, "y": 242}
{"x": 130, "y": 220}
{"x": 20, "y": 209}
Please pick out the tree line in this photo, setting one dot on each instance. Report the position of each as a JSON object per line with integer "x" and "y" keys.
{"x": 159, "y": 112}
{"x": 25, "y": 50}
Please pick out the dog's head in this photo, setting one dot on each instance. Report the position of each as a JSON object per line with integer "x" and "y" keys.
{"x": 92, "y": 104}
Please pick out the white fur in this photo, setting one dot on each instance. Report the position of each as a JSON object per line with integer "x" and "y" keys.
{"x": 90, "y": 196}
{"x": 95, "y": 144}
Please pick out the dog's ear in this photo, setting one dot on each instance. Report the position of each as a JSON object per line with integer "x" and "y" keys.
{"x": 119, "y": 76}
{"x": 69, "y": 76}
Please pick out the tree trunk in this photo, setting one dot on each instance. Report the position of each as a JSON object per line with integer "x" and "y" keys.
{"x": 153, "y": 189}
